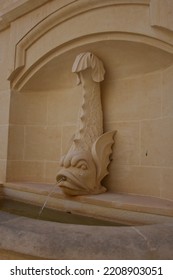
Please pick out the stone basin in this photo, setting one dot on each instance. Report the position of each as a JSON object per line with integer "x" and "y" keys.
{"x": 49, "y": 240}
{"x": 146, "y": 230}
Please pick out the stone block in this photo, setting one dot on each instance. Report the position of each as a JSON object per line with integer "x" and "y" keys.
{"x": 4, "y": 107}
{"x": 4, "y": 53}
{"x": 156, "y": 142}
{"x": 42, "y": 143}
{"x": 30, "y": 108}
{"x": 16, "y": 142}
{"x": 133, "y": 99}
{"x": 167, "y": 183}
{"x": 161, "y": 14}
{"x": 32, "y": 171}
{"x": 134, "y": 180}
{"x": 63, "y": 106}
{"x": 2, "y": 171}
{"x": 126, "y": 147}
{"x": 167, "y": 92}
{"x": 3, "y": 141}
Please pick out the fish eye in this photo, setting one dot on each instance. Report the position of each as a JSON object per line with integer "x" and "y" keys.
{"x": 83, "y": 166}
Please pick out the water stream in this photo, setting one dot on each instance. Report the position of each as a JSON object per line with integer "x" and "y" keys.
{"x": 46, "y": 200}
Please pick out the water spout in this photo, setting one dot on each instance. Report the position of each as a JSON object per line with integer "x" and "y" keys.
{"x": 51, "y": 191}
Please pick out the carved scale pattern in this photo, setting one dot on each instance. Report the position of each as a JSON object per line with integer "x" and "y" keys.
{"x": 90, "y": 124}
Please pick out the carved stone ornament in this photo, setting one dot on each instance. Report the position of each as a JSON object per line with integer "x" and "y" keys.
{"x": 85, "y": 164}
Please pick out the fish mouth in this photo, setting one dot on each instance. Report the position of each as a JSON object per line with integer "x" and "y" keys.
{"x": 70, "y": 184}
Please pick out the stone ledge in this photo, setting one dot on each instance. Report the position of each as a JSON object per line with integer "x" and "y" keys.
{"x": 124, "y": 208}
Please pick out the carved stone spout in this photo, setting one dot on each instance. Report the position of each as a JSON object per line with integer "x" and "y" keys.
{"x": 85, "y": 164}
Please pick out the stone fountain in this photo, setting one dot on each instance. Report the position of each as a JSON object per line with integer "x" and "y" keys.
{"x": 85, "y": 164}
{"x": 149, "y": 231}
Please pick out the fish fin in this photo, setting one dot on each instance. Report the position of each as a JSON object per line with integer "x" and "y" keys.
{"x": 101, "y": 151}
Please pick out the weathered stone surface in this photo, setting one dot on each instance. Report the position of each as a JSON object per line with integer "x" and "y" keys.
{"x": 59, "y": 241}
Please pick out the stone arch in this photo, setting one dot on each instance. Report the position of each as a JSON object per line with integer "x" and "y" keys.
{"x": 89, "y": 22}
{"x": 136, "y": 56}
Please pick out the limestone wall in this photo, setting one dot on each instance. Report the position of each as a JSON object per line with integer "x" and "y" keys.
{"x": 4, "y": 101}
{"x": 136, "y": 47}
{"x": 143, "y": 154}
{"x": 40, "y": 128}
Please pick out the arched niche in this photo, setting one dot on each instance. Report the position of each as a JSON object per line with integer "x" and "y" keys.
{"x": 136, "y": 58}
{"x": 122, "y": 58}
{"x": 82, "y": 23}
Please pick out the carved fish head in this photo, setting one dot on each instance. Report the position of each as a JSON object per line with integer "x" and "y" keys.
{"x": 82, "y": 171}
{"x": 78, "y": 173}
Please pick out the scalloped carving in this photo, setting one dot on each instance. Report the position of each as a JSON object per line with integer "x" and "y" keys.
{"x": 88, "y": 60}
